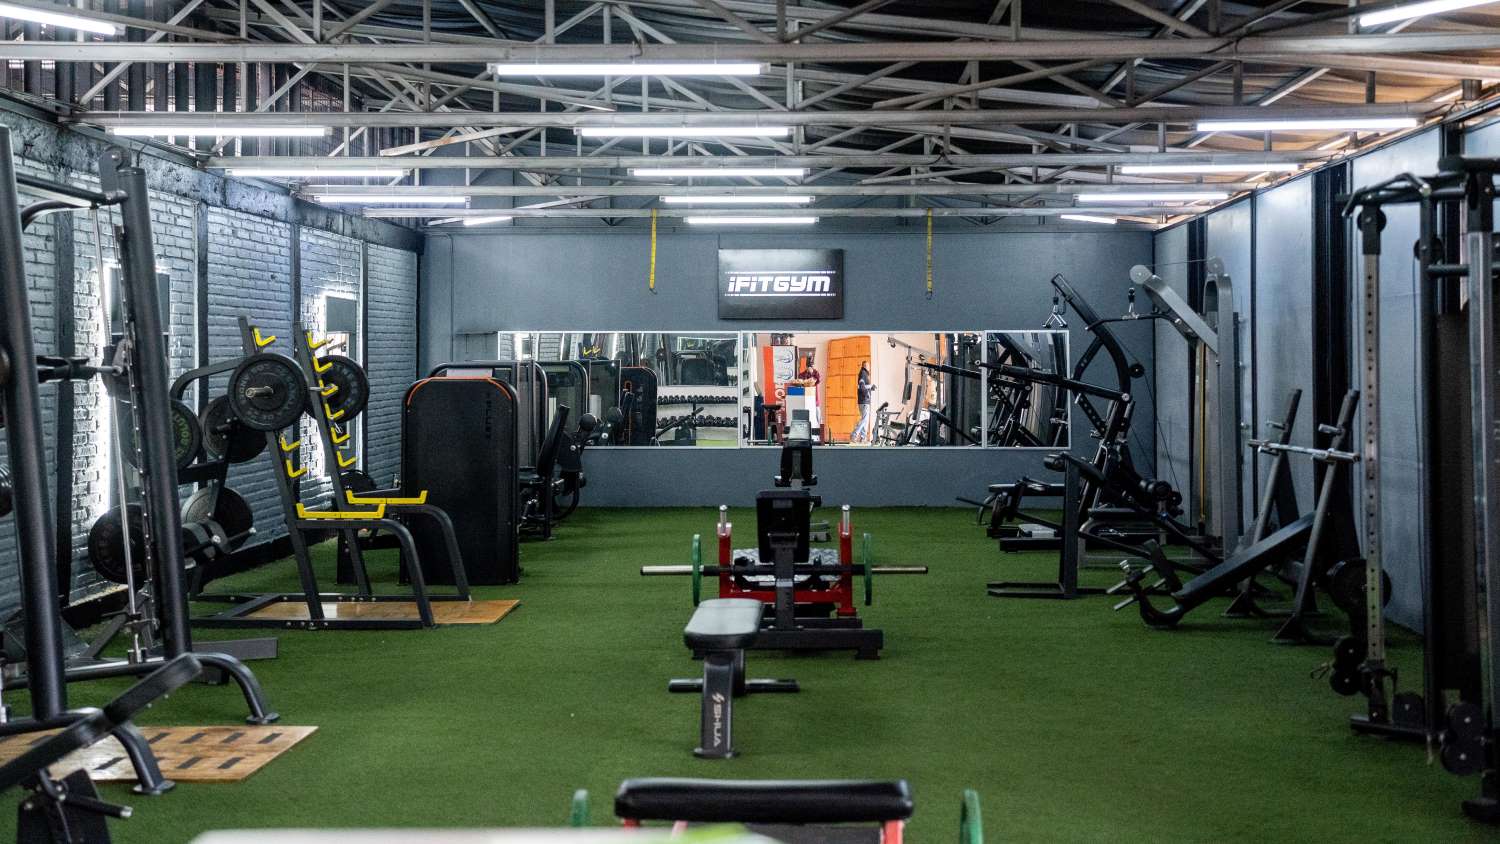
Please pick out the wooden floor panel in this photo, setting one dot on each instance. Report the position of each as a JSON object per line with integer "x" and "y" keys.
{"x": 443, "y": 612}
{"x": 185, "y": 754}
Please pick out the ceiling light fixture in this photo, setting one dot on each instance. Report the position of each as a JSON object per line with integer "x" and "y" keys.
{"x": 23, "y": 13}
{"x": 751, "y": 221}
{"x": 227, "y": 130}
{"x": 717, "y": 172}
{"x": 484, "y": 221}
{"x": 1261, "y": 167}
{"x": 627, "y": 68}
{"x": 684, "y": 131}
{"x": 316, "y": 173}
{"x": 729, "y": 199}
{"x": 387, "y": 198}
{"x": 1162, "y": 196}
{"x": 1089, "y": 218}
{"x": 1340, "y": 124}
{"x": 1417, "y": 10}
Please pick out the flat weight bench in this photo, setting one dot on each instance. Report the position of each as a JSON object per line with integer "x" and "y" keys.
{"x": 768, "y": 802}
{"x": 721, "y": 629}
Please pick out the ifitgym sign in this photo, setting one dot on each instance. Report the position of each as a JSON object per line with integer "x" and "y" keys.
{"x": 781, "y": 284}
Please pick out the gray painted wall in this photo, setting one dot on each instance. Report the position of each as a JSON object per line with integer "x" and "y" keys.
{"x": 1267, "y": 244}
{"x": 520, "y": 279}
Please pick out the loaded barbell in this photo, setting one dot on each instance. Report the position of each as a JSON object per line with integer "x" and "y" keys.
{"x": 211, "y": 526}
{"x": 268, "y": 391}
{"x": 863, "y": 569}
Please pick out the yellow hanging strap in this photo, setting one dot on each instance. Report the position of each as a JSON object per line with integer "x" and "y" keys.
{"x": 651, "y": 280}
{"x": 929, "y": 253}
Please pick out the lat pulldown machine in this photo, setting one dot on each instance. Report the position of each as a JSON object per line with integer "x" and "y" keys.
{"x": 1456, "y": 709}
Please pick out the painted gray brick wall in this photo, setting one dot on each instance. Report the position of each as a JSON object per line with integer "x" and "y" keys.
{"x": 390, "y": 354}
{"x": 330, "y": 265}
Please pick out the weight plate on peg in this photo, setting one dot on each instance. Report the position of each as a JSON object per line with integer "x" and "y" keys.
{"x": 187, "y": 436}
{"x": 268, "y": 391}
{"x": 353, "y": 386}
{"x": 1464, "y": 758}
{"x": 1466, "y": 721}
{"x": 230, "y": 512}
{"x": 106, "y": 545}
{"x": 1346, "y": 585}
{"x": 245, "y": 445}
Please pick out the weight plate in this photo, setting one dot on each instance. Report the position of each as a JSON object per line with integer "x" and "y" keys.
{"x": 1348, "y": 653}
{"x": 1408, "y": 710}
{"x": 356, "y": 481}
{"x": 106, "y": 545}
{"x": 1464, "y": 758}
{"x": 268, "y": 391}
{"x": 1346, "y": 586}
{"x": 243, "y": 445}
{"x": 1345, "y": 683}
{"x": 697, "y": 568}
{"x": 1466, "y": 722}
{"x": 187, "y": 436}
{"x": 353, "y": 385}
{"x": 231, "y": 513}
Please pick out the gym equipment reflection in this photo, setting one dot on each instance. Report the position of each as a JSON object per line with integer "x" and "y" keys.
{"x": 873, "y": 389}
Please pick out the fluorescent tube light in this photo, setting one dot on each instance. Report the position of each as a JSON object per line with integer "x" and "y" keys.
{"x": 1262, "y": 167}
{"x": 1156, "y": 196}
{"x": 1089, "y": 218}
{"x": 736, "y": 200}
{"x": 484, "y": 221}
{"x": 388, "y": 198}
{"x": 225, "y": 130}
{"x": 713, "y": 172}
{"x": 627, "y": 68}
{"x": 316, "y": 173}
{"x": 1342, "y": 124}
{"x": 23, "y": 13}
{"x": 751, "y": 221}
{"x": 684, "y": 131}
{"x": 1417, "y": 10}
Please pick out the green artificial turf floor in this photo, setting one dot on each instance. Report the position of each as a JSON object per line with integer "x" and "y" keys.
{"x": 1073, "y": 722}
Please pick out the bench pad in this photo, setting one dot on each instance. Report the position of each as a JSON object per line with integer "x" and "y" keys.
{"x": 723, "y": 624}
{"x": 764, "y": 801}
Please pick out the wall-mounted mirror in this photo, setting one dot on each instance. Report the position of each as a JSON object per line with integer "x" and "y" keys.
{"x": 881, "y": 389}
{"x": 1026, "y": 408}
{"x": 645, "y": 388}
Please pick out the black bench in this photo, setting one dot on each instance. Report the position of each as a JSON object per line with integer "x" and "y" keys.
{"x": 721, "y": 629}
{"x": 789, "y": 802}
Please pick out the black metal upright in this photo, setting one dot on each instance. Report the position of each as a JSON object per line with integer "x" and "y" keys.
{"x": 23, "y": 433}
{"x": 149, "y": 382}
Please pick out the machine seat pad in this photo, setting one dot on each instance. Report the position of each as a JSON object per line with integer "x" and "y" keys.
{"x": 764, "y": 801}
{"x": 724, "y": 624}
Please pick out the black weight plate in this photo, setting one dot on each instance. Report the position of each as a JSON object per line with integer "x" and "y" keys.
{"x": 187, "y": 436}
{"x": 1407, "y": 710}
{"x": 353, "y": 385}
{"x": 1466, "y": 722}
{"x": 106, "y": 545}
{"x": 244, "y": 446}
{"x": 1348, "y": 653}
{"x": 268, "y": 392}
{"x": 356, "y": 481}
{"x": 1345, "y": 683}
{"x": 1464, "y": 758}
{"x": 1346, "y": 585}
{"x": 231, "y": 512}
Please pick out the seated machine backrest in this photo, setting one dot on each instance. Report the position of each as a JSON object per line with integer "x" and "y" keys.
{"x": 797, "y": 455}
{"x": 546, "y": 460}
{"x": 784, "y": 511}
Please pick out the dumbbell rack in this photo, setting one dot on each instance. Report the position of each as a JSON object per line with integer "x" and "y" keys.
{"x": 347, "y": 515}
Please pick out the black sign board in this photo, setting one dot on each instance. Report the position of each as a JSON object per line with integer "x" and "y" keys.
{"x": 781, "y": 284}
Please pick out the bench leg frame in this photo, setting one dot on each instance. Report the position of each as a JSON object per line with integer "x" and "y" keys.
{"x": 723, "y": 681}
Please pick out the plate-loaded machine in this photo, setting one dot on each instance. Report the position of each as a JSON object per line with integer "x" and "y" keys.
{"x": 270, "y": 392}
{"x": 810, "y": 590}
{"x": 1458, "y": 708}
{"x": 21, "y": 373}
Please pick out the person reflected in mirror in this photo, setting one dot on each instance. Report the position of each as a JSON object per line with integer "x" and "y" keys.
{"x": 809, "y": 377}
{"x": 863, "y": 388}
